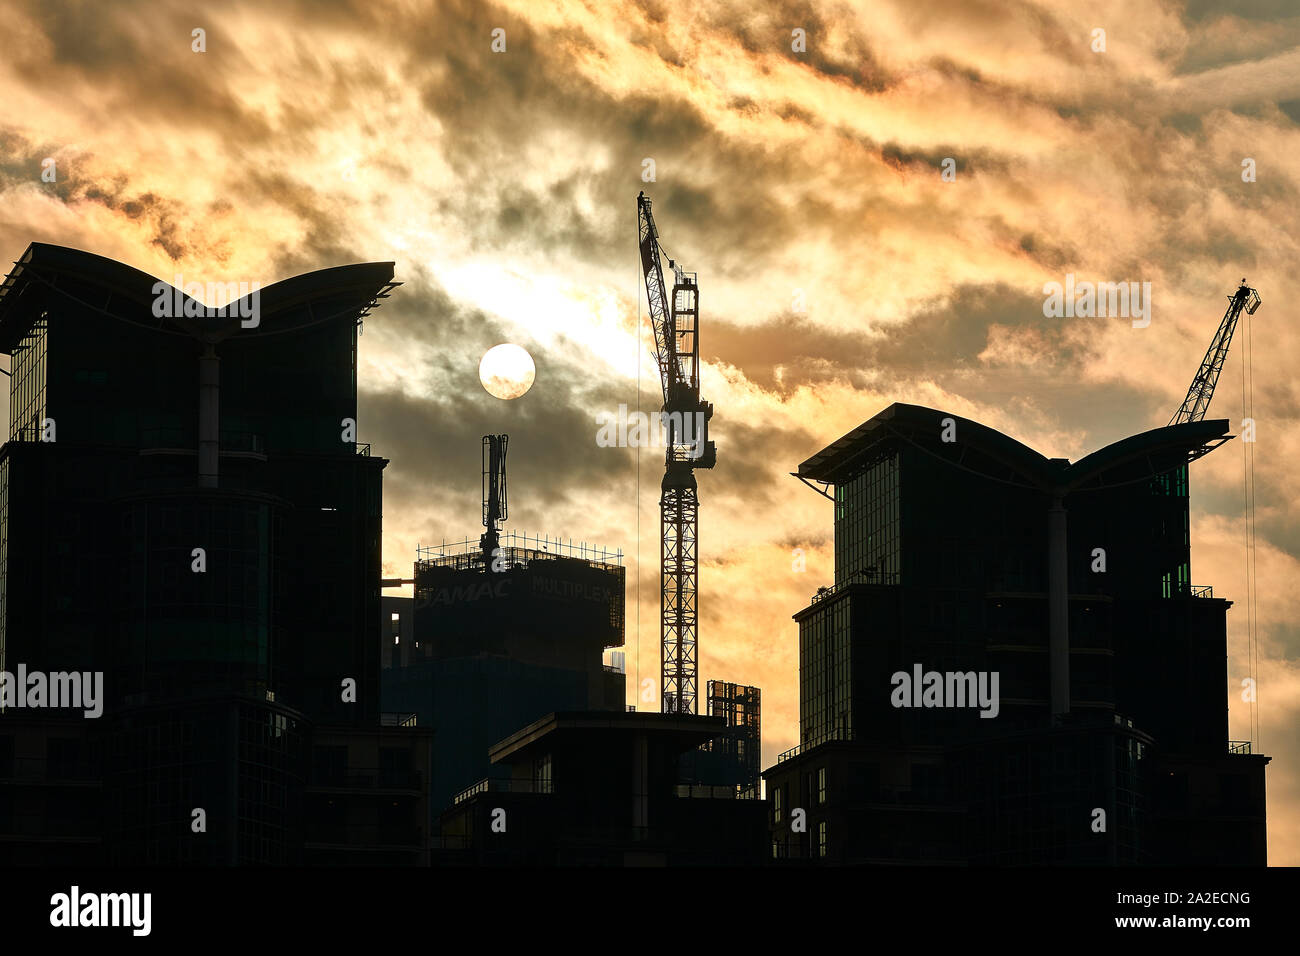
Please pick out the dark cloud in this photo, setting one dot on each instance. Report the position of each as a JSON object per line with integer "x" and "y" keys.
{"x": 432, "y": 430}
{"x": 936, "y": 341}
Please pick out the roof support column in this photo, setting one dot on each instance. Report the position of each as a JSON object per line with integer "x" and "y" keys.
{"x": 1058, "y": 608}
{"x": 209, "y": 416}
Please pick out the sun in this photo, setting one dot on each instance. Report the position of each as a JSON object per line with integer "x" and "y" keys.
{"x": 507, "y": 371}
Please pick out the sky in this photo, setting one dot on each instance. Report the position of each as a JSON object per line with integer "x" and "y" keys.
{"x": 800, "y": 174}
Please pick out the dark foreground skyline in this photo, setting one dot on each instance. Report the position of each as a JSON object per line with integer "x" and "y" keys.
{"x": 215, "y": 568}
{"x": 840, "y": 272}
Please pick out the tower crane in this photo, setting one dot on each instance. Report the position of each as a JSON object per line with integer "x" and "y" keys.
{"x": 1194, "y": 408}
{"x": 1198, "y": 397}
{"x": 687, "y": 447}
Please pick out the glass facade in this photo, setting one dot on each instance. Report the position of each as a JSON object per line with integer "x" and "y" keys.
{"x": 27, "y": 380}
{"x": 867, "y": 538}
{"x": 1172, "y": 484}
{"x": 269, "y": 750}
{"x": 219, "y": 755}
{"x": 223, "y": 613}
{"x": 825, "y": 684}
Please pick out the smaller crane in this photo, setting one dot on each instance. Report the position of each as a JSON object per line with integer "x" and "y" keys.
{"x": 494, "y": 495}
{"x": 1197, "y": 402}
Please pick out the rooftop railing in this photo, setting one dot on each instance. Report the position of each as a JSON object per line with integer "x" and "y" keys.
{"x": 470, "y": 550}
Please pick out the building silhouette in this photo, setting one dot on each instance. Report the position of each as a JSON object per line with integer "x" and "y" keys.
{"x": 602, "y": 789}
{"x": 730, "y": 760}
{"x": 960, "y": 551}
{"x": 185, "y": 509}
{"x": 487, "y": 652}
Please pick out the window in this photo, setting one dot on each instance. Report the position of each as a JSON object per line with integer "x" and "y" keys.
{"x": 825, "y": 676}
{"x": 821, "y": 785}
{"x": 867, "y": 524}
{"x": 27, "y": 383}
{"x": 776, "y": 804}
{"x": 329, "y": 764}
{"x": 395, "y": 767}
{"x": 821, "y": 839}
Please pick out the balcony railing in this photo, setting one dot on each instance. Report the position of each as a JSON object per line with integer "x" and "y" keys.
{"x": 1238, "y": 746}
{"x": 839, "y": 733}
{"x": 869, "y": 576}
{"x": 705, "y": 792}
{"x": 822, "y": 594}
{"x": 505, "y": 786}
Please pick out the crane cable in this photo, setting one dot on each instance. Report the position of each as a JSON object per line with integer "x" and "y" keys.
{"x": 1255, "y": 572}
{"x": 636, "y": 694}
{"x": 1248, "y": 520}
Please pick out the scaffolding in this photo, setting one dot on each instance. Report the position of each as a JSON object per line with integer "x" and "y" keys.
{"x": 739, "y": 707}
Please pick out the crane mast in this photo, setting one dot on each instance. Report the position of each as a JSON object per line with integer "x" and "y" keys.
{"x": 1197, "y": 402}
{"x": 675, "y": 320}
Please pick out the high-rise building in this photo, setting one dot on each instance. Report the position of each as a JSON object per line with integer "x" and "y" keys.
{"x": 185, "y": 509}
{"x": 1013, "y": 664}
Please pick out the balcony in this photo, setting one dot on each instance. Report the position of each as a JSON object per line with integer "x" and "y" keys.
{"x": 838, "y": 733}
{"x": 1239, "y": 746}
{"x": 1177, "y": 589}
{"x": 868, "y": 576}
{"x": 504, "y": 786}
{"x": 694, "y": 791}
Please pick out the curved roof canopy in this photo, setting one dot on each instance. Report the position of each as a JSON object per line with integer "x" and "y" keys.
{"x": 998, "y": 457}
{"x": 100, "y": 285}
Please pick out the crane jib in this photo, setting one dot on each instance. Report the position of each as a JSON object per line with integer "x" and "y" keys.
{"x": 1199, "y": 395}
